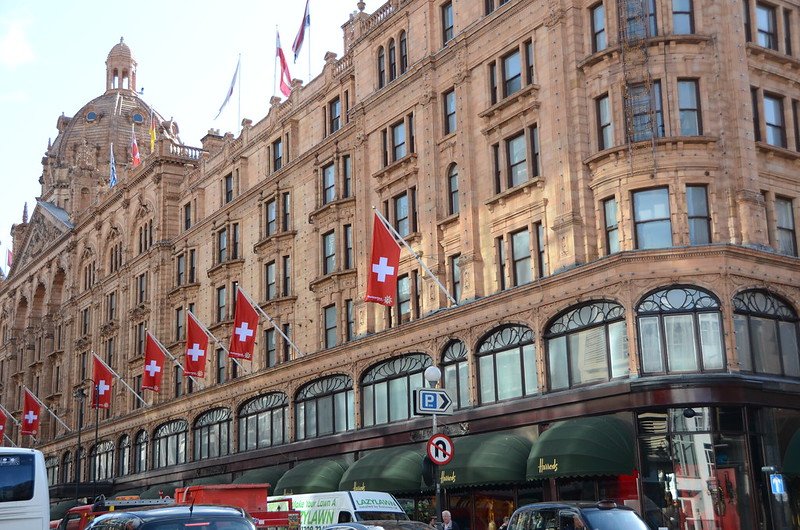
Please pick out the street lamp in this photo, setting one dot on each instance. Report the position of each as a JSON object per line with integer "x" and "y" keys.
{"x": 79, "y": 394}
{"x": 432, "y": 376}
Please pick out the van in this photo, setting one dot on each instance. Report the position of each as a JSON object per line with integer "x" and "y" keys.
{"x": 24, "y": 495}
{"x": 321, "y": 509}
{"x": 603, "y": 515}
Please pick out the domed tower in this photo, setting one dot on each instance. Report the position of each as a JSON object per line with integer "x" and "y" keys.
{"x": 76, "y": 166}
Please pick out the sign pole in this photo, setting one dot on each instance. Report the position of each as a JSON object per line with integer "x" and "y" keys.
{"x": 433, "y": 375}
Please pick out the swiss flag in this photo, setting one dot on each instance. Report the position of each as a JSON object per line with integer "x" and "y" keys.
{"x": 32, "y": 409}
{"x": 102, "y": 379}
{"x": 383, "y": 264}
{"x": 244, "y": 328}
{"x": 153, "y": 364}
{"x": 196, "y": 347}
{"x": 3, "y": 421}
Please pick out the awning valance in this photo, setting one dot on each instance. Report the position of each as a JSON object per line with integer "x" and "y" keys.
{"x": 394, "y": 470}
{"x": 263, "y": 475}
{"x": 311, "y": 476}
{"x": 593, "y": 446}
{"x": 493, "y": 458}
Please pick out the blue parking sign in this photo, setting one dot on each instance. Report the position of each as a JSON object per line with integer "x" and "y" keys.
{"x": 776, "y": 482}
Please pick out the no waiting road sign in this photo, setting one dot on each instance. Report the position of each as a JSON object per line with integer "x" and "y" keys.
{"x": 440, "y": 449}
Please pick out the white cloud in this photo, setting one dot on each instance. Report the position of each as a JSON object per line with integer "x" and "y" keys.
{"x": 15, "y": 49}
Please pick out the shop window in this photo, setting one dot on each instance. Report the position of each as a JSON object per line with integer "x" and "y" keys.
{"x": 507, "y": 365}
{"x": 766, "y": 334}
{"x": 680, "y": 330}
{"x": 388, "y": 389}
{"x": 140, "y": 452}
{"x": 455, "y": 373}
{"x": 325, "y": 406}
{"x": 211, "y": 434}
{"x": 262, "y": 421}
{"x": 124, "y": 456}
{"x": 169, "y": 444}
{"x": 101, "y": 458}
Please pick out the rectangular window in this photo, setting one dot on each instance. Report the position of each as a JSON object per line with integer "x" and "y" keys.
{"x": 605, "y": 129}
{"x": 335, "y": 115}
{"x": 645, "y": 111}
{"x": 529, "y": 62}
{"x": 180, "y": 266}
{"x": 381, "y": 68}
{"x": 748, "y": 35}
{"x": 452, "y": 190}
{"x": 398, "y": 141}
{"x": 401, "y": 215}
{"x": 221, "y": 366}
{"x": 521, "y": 257}
{"x": 277, "y": 154}
{"x": 85, "y": 321}
{"x": 192, "y": 265}
{"x": 455, "y": 274}
{"x": 773, "y": 119}
{"x": 141, "y": 288}
{"x": 449, "y": 101}
{"x": 111, "y": 305}
{"x": 137, "y": 388}
{"x": 641, "y": 19}
{"x": 228, "y": 188}
{"x": 500, "y": 245}
{"x": 699, "y": 219}
{"x": 392, "y": 60}
{"x": 447, "y": 22}
{"x": 517, "y": 160}
{"x": 178, "y": 382}
{"x": 512, "y": 73}
{"x": 682, "y": 17}
{"x": 271, "y": 347}
{"x": 287, "y": 348}
{"x": 766, "y": 25}
{"x": 796, "y": 121}
{"x": 541, "y": 255}
{"x": 235, "y": 241}
{"x": 349, "y": 257}
{"x": 496, "y": 168}
{"x": 330, "y": 326}
{"x": 187, "y": 216}
{"x": 787, "y": 31}
{"x": 784, "y": 220}
{"x": 536, "y": 159}
{"x": 493, "y": 82}
{"x": 286, "y": 283}
{"x": 652, "y": 218}
{"x": 286, "y": 211}
{"x": 689, "y": 107}
{"x": 347, "y": 176}
{"x": 328, "y": 184}
{"x": 221, "y": 301}
{"x": 140, "y": 335}
{"x": 611, "y": 225}
{"x": 269, "y": 281}
{"x": 756, "y": 116}
{"x": 271, "y": 208}
{"x": 403, "y": 52}
{"x": 404, "y": 298}
{"x": 222, "y": 245}
{"x": 350, "y": 330}
{"x": 179, "y": 321}
{"x": 328, "y": 252}
{"x": 599, "y": 41}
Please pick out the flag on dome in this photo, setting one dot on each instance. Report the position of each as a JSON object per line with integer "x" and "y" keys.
{"x": 112, "y": 167}
{"x": 301, "y": 35}
{"x": 383, "y": 264}
{"x": 245, "y": 323}
{"x": 153, "y": 364}
{"x": 196, "y": 347}
{"x": 135, "y": 149}
{"x": 286, "y": 78}
{"x": 102, "y": 378}
{"x": 31, "y": 410}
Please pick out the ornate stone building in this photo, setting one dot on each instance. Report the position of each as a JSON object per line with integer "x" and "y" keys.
{"x": 609, "y": 190}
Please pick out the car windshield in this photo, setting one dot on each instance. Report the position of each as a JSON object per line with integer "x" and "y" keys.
{"x": 381, "y": 516}
{"x": 199, "y": 523}
{"x": 614, "y": 520}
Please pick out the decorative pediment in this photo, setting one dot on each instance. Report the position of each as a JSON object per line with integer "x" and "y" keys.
{"x": 46, "y": 229}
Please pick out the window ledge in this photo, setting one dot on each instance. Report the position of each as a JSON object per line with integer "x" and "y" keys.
{"x": 776, "y": 151}
{"x": 756, "y": 51}
{"x": 336, "y": 280}
{"x": 401, "y": 168}
{"x": 278, "y": 236}
{"x": 448, "y": 221}
{"x": 332, "y": 206}
{"x": 230, "y": 264}
{"x": 621, "y": 150}
{"x": 613, "y": 52}
{"x": 517, "y": 104}
{"x": 278, "y": 300}
{"x": 531, "y": 90}
{"x": 179, "y": 288}
{"x": 526, "y": 187}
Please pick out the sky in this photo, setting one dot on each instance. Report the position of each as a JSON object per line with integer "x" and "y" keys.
{"x": 52, "y": 61}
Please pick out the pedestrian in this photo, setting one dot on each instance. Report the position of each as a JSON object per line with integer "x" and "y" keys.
{"x": 433, "y": 521}
{"x": 504, "y": 526}
{"x": 447, "y": 521}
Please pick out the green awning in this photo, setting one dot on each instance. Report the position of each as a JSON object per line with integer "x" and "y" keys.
{"x": 593, "y": 446}
{"x": 394, "y": 470}
{"x": 167, "y": 489}
{"x": 263, "y": 475}
{"x": 311, "y": 476}
{"x": 216, "y": 479}
{"x": 791, "y": 458}
{"x": 59, "y": 509}
{"x": 480, "y": 459}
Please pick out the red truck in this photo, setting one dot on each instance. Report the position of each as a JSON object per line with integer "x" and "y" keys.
{"x": 250, "y": 497}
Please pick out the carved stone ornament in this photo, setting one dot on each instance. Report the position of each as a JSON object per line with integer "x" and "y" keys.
{"x": 82, "y": 343}
{"x": 555, "y": 16}
{"x": 139, "y": 312}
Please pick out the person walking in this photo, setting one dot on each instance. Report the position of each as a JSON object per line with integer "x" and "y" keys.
{"x": 447, "y": 521}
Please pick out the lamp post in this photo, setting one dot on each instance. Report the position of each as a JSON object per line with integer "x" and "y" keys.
{"x": 79, "y": 394}
{"x": 432, "y": 376}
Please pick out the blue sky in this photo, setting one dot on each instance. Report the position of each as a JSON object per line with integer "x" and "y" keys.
{"x": 52, "y": 61}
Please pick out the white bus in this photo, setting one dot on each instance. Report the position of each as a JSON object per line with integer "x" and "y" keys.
{"x": 24, "y": 496}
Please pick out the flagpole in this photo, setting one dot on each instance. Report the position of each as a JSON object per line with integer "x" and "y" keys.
{"x": 8, "y": 414}
{"x": 165, "y": 350}
{"x": 10, "y": 440}
{"x": 121, "y": 380}
{"x": 271, "y": 321}
{"x": 46, "y": 407}
{"x": 308, "y": 51}
{"x": 219, "y": 343}
{"x": 416, "y": 256}
{"x": 275, "y": 68}
{"x": 239, "y": 104}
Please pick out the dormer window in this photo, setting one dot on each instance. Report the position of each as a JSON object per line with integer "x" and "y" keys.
{"x": 138, "y": 118}
{"x": 91, "y": 116}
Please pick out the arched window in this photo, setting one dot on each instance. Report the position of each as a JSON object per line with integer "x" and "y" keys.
{"x": 51, "y": 464}
{"x": 403, "y": 52}
{"x": 140, "y": 452}
{"x": 262, "y": 421}
{"x": 507, "y": 365}
{"x": 169, "y": 444}
{"x": 455, "y": 371}
{"x": 392, "y": 60}
{"x": 680, "y": 330}
{"x": 587, "y": 344}
{"x": 766, "y": 334}
{"x": 123, "y": 455}
{"x": 452, "y": 190}
{"x": 212, "y": 432}
{"x": 101, "y": 460}
{"x": 325, "y": 406}
{"x": 387, "y": 388}
{"x": 381, "y": 68}
{"x": 67, "y": 467}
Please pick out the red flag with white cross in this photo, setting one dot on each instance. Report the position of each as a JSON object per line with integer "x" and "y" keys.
{"x": 245, "y": 323}
{"x": 196, "y": 347}
{"x": 153, "y": 364}
{"x": 383, "y": 264}
{"x": 3, "y": 421}
{"x": 31, "y": 410}
{"x": 102, "y": 377}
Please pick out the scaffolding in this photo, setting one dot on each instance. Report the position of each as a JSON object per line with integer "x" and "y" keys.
{"x": 640, "y": 94}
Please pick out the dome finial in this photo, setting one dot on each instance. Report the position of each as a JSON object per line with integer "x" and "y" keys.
{"x": 121, "y": 40}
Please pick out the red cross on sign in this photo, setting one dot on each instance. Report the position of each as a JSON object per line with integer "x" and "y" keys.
{"x": 440, "y": 449}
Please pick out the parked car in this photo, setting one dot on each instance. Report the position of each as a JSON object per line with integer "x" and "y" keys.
{"x": 176, "y": 518}
{"x": 388, "y": 524}
{"x": 603, "y": 515}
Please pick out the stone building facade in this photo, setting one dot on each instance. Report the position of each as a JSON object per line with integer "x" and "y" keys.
{"x": 608, "y": 189}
